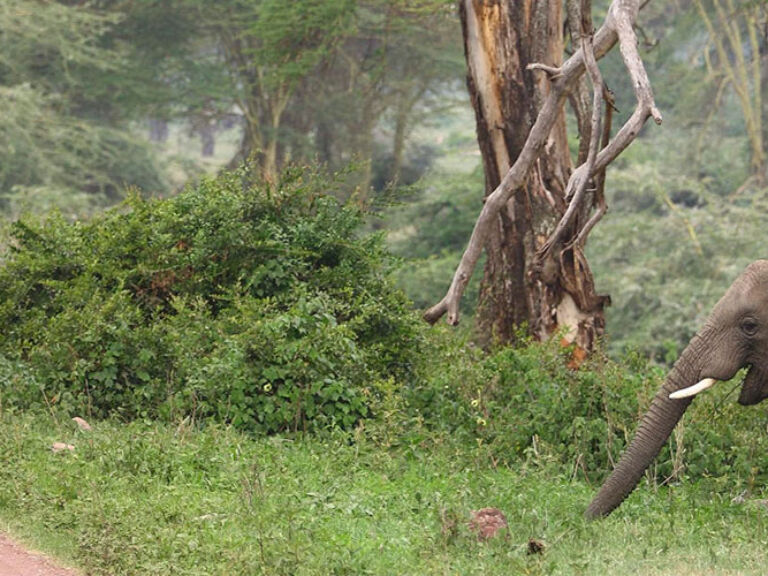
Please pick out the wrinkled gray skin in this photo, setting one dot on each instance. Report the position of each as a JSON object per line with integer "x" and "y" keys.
{"x": 734, "y": 336}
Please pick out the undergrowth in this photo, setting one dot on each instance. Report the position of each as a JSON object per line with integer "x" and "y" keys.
{"x": 241, "y": 301}
{"x": 147, "y": 498}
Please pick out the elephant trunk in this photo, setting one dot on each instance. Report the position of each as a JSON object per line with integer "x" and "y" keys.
{"x": 654, "y": 430}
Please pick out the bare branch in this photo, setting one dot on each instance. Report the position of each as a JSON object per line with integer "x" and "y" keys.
{"x": 577, "y": 185}
{"x": 634, "y": 64}
{"x": 645, "y": 103}
{"x": 579, "y": 98}
{"x": 645, "y": 107}
{"x": 596, "y": 217}
{"x": 602, "y": 207}
{"x": 553, "y": 71}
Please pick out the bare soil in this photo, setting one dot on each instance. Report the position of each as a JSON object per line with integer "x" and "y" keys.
{"x": 15, "y": 560}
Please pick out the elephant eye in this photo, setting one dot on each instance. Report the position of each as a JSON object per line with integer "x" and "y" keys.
{"x": 749, "y": 326}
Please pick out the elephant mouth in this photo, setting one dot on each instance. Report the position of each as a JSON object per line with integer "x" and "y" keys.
{"x": 754, "y": 387}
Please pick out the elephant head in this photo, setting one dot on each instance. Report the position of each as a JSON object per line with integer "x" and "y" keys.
{"x": 734, "y": 336}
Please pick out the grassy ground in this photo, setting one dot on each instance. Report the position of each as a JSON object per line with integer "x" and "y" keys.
{"x": 149, "y": 499}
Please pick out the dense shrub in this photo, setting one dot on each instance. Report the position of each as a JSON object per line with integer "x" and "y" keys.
{"x": 525, "y": 401}
{"x": 525, "y": 404}
{"x": 257, "y": 304}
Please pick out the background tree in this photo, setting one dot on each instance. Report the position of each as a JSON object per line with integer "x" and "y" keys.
{"x": 736, "y": 59}
{"x": 396, "y": 66}
{"x": 54, "y": 135}
{"x": 269, "y": 48}
{"x": 315, "y": 79}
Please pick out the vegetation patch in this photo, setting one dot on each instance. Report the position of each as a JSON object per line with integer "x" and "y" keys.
{"x": 255, "y": 304}
{"x": 142, "y": 498}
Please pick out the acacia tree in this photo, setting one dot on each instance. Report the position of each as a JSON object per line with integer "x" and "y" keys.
{"x": 270, "y": 47}
{"x": 538, "y": 209}
{"x": 314, "y": 78}
{"x": 736, "y": 57}
{"x": 59, "y": 144}
{"x": 392, "y": 69}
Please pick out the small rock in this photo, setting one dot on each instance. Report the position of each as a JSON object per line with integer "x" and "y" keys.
{"x": 61, "y": 447}
{"x": 486, "y": 522}
{"x": 81, "y": 423}
{"x": 535, "y": 546}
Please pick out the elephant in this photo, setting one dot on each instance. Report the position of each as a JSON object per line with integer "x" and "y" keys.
{"x": 734, "y": 336}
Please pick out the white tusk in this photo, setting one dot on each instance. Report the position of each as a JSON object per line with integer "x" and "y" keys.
{"x": 693, "y": 390}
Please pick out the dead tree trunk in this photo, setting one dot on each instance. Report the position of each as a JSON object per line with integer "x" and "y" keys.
{"x": 538, "y": 211}
{"x": 501, "y": 38}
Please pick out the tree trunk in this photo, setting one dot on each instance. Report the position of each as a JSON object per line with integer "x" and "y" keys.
{"x": 365, "y": 147}
{"x": 324, "y": 138}
{"x": 207, "y": 131}
{"x": 260, "y": 136}
{"x": 501, "y": 37}
{"x": 158, "y": 130}
{"x": 403, "y": 109}
{"x": 398, "y": 143}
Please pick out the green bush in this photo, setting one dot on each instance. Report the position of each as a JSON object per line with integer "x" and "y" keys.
{"x": 260, "y": 305}
{"x": 525, "y": 404}
{"x": 520, "y": 402}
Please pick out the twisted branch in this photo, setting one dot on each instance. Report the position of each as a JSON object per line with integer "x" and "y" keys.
{"x": 584, "y": 173}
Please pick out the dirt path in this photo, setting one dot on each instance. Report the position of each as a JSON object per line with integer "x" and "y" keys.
{"x": 16, "y": 561}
